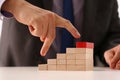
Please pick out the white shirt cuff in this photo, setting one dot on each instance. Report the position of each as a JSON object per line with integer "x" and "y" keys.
{"x": 1, "y": 3}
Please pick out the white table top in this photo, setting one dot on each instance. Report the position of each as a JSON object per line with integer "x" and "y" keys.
{"x": 32, "y": 73}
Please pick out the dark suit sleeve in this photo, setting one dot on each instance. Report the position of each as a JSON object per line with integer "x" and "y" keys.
{"x": 113, "y": 37}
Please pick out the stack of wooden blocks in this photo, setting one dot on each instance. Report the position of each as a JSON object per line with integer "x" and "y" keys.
{"x": 75, "y": 59}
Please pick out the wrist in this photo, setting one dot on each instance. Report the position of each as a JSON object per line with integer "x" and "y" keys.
{"x": 12, "y": 6}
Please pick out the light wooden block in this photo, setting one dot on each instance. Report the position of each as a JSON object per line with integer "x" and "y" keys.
{"x": 79, "y": 50}
{"x": 51, "y": 61}
{"x": 71, "y": 62}
{"x": 84, "y": 68}
{"x": 71, "y": 56}
{"x": 81, "y": 62}
{"x": 84, "y": 56}
{"x": 80, "y": 56}
{"x": 43, "y": 67}
{"x": 52, "y": 67}
{"x": 60, "y": 61}
{"x": 71, "y": 68}
{"x": 75, "y": 50}
{"x": 90, "y": 63}
{"x": 89, "y": 56}
{"x": 89, "y": 68}
{"x": 80, "y": 68}
{"x": 84, "y": 63}
{"x": 61, "y": 67}
{"x": 61, "y": 56}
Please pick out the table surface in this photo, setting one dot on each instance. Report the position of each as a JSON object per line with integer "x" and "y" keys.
{"x": 32, "y": 73}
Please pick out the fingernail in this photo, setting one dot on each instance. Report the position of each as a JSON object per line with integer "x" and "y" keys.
{"x": 43, "y": 53}
{"x": 78, "y": 34}
{"x": 113, "y": 65}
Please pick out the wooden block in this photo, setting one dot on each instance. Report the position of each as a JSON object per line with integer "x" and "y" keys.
{"x": 43, "y": 67}
{"x": 81, "y": 62}
{"x": 71, "y": 56}
{"x": 84, "y": 68}
{"x": 89, "y": 63}
{"x": 61, "y": 67}
{"x": 76, "y": 50}
{"x": 89, "y": 68}
{"x": 52, "y": 67}
{"x": 60, "y": 61}
{"x": 80, "y": 68}
{"x": 71, "y": 62}
{"x": 61, "y": 56}
{"x": 90, "y": 53}
{"x": 84, "y": 56}
{"x": 86, "y": 63}
{"x": 79, "y": 50}
{"x": 80, "y": 56}
{"x": 51, "y": 61}
{"x": 71, "y": 68}
{"x": 84, "y": 45}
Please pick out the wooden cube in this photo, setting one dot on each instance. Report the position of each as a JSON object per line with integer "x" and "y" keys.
{"x": 84, "y": 56}
{"x": 84, "y": 62}
{"x": 81, "y": 62}
{"x": 79, "y": 50}
{"x": 52, "y": 67}
{"x": 84, "y": 45}
{"x": 60, "y": 61}
{"x": 71, "y": 56}
{"x": 84, "y": 68}
{"x": 71, "y": 62}
{"x": 43, "y": 67}
{"x": 61, "y": 56}
{"x": 76, "y": 50}
{"x": 61, "y": 67}
{"x": 90, "y": 68}
{"x": 71, "y": 68}
{"x": 51, "y": 61}
{"x": 80, "y": 68}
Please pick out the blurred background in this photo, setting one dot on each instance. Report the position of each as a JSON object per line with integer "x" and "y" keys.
{"x": 1, "y": 20}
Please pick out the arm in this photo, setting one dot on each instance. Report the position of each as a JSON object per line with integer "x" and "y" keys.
{"x": 41, "y": 23}
{"x": 112, "y": 55}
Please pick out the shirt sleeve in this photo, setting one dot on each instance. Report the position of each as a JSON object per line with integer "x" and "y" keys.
{"x": 1, "y": 3}
{"x": 2, "y": 12}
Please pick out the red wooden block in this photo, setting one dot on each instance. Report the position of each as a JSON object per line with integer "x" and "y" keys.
{"x": 84, "y": 45}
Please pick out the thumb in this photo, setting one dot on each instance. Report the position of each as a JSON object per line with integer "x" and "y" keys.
{"x": 63, "y": 23}
{"x": 115, "y": 59}
{"x": 109, "y": 56}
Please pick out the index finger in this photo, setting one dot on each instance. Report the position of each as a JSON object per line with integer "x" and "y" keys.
{"x": 115, "y": 59}
{"x": 63, "y": 23}
{"x": 108, "y": 56}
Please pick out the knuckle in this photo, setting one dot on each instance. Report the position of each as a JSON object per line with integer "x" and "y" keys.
{"x": 52, "y": 37}
{"x": 67, "y": 22}
{"x": 105, "y": 54}
{"x": 50, "y": 14}
{"x": 36, "y": 33}
{"x": 118, "y": 62}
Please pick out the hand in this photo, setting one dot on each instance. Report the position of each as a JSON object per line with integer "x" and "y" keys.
{"x": 41, "y": 23}
{"x": 112, "y": 57}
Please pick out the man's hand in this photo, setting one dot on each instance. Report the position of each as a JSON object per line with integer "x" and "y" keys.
{"x": 112, "y": 57}
{"x": 41, "y": 23}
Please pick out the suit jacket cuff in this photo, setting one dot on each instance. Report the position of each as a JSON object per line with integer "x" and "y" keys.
{"x": 2, "y": 12}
